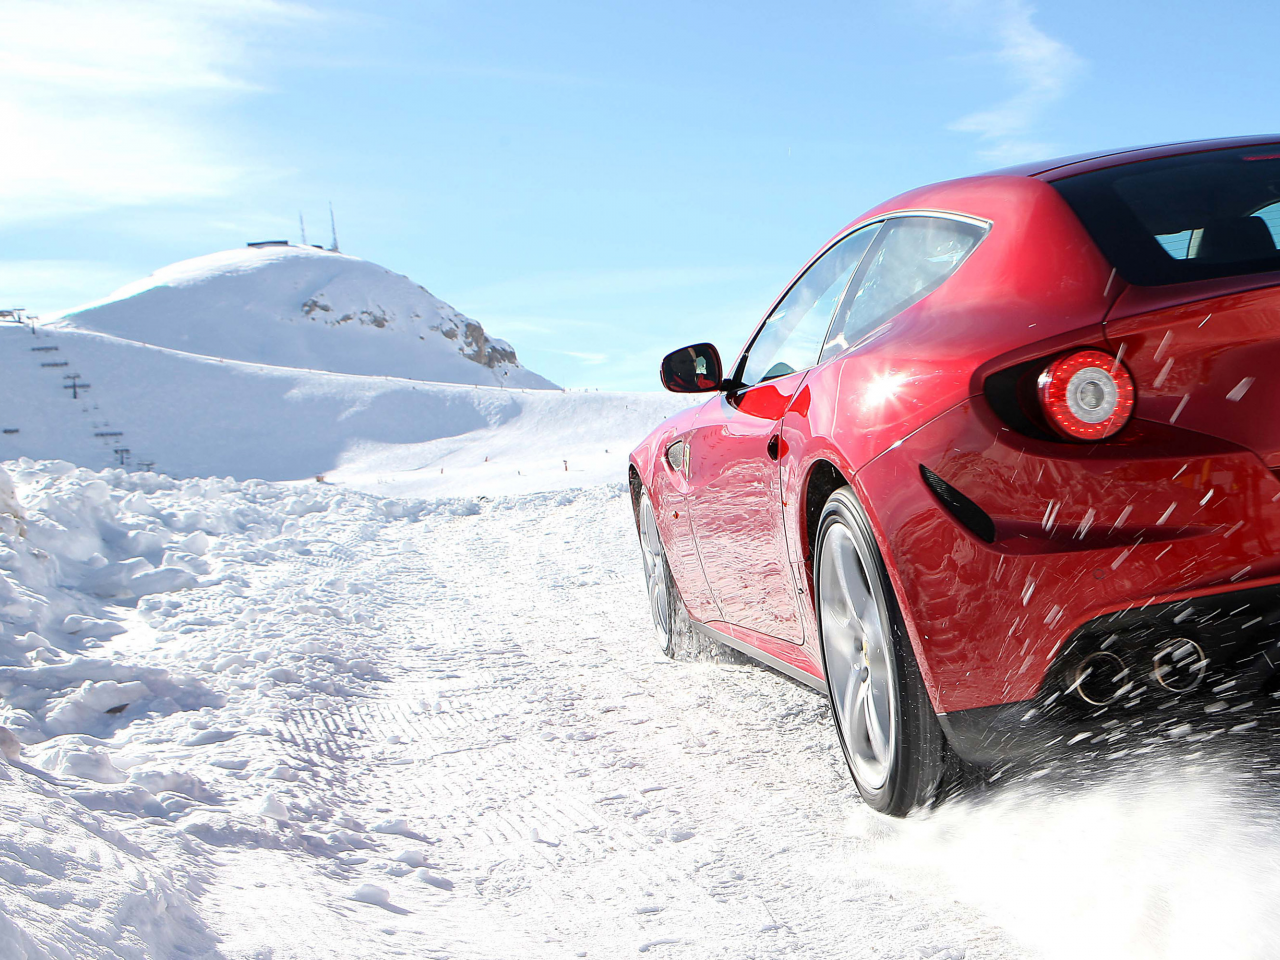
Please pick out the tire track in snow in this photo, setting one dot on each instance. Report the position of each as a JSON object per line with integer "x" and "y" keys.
{"x": 597, "y": 796}
{"x": 529, "y": 777}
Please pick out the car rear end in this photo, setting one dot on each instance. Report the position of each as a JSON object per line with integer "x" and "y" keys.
{"x": 1117, "y": 571}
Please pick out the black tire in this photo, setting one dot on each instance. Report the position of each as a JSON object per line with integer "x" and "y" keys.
{"x": 670, "y": 618}
{"x": 902, "y": 770}
{"x": 677, "y": 636}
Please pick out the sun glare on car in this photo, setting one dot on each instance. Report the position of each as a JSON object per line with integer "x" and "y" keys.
{"x": 882, "y": 389}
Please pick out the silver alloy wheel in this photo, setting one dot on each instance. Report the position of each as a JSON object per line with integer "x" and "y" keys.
{"x": 655, "y": 570}
{"x": 857, "y": 642}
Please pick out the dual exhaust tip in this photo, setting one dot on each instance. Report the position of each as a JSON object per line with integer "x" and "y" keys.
{"x": 1177, "y": 666}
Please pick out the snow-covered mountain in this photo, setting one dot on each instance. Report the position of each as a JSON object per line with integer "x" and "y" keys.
{"x": 287, "y": 363}
{"x": 298, "y": 306}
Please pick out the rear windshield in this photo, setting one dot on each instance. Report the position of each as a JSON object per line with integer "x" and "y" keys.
{"x": 1176, "y": 219}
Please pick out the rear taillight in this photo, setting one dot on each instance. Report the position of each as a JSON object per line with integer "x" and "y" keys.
{"x": 1086, "y": 395}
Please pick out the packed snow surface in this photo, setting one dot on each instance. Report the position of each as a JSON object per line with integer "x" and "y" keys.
{"x": 261, "y": 720}
{"x": 298, "y": 306}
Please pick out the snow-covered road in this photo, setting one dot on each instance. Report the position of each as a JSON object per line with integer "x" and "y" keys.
{"x": 584, "y": 796}
{"x": 577, "y": 794}
{"x": 369, "y": 728}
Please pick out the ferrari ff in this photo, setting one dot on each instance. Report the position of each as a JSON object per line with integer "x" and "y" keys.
{"x": 998, "y": 469}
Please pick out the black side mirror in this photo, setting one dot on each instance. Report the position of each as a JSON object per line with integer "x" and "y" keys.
{"x": 694, "y": 369}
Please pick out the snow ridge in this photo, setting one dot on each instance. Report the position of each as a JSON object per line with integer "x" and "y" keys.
{"x": 183, "y": 414}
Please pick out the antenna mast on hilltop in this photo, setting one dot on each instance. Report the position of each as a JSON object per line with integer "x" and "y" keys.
{"x": 302, "y": 225}
{"x": 334, "y": 228}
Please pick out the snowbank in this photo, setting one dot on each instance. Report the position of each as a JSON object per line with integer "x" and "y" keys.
{"x": 66, "y": 554}
{"x": 293, "y": 306}
{"x": 152, "y": 631}
{"x": 75, "y": 887}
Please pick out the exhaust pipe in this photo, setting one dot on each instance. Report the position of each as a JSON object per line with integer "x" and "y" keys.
{"x": 1101, "y": 678}
{"x": 1179, "y": 666}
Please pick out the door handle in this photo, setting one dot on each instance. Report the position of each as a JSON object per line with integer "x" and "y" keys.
{"x": 773, "y": 446}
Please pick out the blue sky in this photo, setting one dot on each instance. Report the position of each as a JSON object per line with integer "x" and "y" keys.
{"x": 596, "y": 182}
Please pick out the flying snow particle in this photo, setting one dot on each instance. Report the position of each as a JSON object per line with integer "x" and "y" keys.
{"x": 1240, "y": 389}
{"x": 1085, "y": 524}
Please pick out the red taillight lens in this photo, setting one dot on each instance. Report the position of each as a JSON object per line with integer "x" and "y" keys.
{"x": 1086, "y": 395}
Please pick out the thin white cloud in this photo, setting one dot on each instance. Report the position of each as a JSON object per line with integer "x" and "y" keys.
{"x": 1040, "y": 67}
{"x": 590, "y": 359}
{"x": 106, "y": 104}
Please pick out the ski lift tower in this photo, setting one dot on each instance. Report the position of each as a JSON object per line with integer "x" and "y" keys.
{"x": 19, "y": 315}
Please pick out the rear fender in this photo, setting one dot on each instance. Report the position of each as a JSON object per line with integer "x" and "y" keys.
{"x": 1207, "y": 366}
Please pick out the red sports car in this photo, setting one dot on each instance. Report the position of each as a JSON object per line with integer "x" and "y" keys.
{"x": 998, "y": 469}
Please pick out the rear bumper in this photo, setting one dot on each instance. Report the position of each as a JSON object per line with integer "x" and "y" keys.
{"x": 1009, "y": 731}
{"x": 1147, "y": 537}
{"x": 1228, "y": 672}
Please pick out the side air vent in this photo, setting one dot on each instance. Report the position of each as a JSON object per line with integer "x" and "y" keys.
{"x": 970, "y": 515}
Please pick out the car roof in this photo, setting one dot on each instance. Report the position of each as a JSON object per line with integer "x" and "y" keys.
{"x": 1061, "y": 167}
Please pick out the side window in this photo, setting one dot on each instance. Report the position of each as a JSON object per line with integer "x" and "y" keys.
{"x": 1230, "y": 238}
{"x": 913, "y": 257}
{"x": 1270, "y": 215}
{"x": 792, "y": 337}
